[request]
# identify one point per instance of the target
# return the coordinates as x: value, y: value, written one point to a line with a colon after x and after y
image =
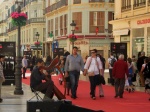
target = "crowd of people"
x: 122, y: 72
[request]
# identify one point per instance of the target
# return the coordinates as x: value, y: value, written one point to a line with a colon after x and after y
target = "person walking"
x: 111, y: 62
x: 93, y: 66
x: 140, y: 62
x: 2, y: 78
x: 74, y: 63
x: 120, y: 72
x: 24, y: 65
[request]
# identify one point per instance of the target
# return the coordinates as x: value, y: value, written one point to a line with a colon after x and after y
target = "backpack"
x: 113, y: 60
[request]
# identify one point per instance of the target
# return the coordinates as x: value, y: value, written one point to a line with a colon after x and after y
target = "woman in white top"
x: 93, y: 66
x: 146, y: 60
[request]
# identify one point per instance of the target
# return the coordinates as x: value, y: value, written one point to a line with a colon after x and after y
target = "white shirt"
x: 109, y: 61
x: 93, y: 65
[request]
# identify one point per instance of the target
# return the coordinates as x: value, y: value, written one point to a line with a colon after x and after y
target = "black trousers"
x: 24, y: 71
x: 111, y: 77
x: 46, y: 88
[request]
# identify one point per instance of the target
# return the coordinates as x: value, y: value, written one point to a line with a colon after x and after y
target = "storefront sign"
x: 80, y: 43
x: 144, y: 21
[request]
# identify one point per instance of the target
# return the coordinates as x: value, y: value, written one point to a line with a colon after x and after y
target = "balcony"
x: 77, y: 2
x: 35, y: 20
x: 126, y: 8
x: 56, y: 6
x: 139, y: 5
x: 12, y: 28
x: 111, y: 1
x: 91, y: 1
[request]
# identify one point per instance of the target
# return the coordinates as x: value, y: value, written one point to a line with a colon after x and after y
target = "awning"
x: 121, y: 32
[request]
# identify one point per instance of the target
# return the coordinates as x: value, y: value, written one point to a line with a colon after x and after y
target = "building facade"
x: 92, y: 28
x: 35, y: 23
x: 131, y: 25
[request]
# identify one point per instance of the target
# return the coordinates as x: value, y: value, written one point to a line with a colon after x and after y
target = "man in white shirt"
x: 111, y: 61
x: 24, y: 65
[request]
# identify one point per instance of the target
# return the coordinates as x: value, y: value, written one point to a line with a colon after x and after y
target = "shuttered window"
x: 77, y: 17
x: 97, y: 19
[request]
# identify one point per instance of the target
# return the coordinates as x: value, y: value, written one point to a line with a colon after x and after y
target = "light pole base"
x: 18, y: 92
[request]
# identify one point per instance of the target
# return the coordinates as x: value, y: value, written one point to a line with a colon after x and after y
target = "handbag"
x: 102, y: 80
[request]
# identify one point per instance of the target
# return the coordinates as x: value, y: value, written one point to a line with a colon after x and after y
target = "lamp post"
x: 18, y: 80
x: 37, y: 38
x: 73, y: 25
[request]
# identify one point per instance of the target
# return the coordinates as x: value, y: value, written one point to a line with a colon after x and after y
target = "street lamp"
x: 73, y: 25
x: 37, y: 38
x: 18, y: 80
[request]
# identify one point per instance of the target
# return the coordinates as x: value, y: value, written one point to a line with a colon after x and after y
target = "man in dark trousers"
x: 36, y: 81
x: 120, y: 73
x: 140, y: 62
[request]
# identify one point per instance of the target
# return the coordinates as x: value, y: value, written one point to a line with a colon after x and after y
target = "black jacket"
x: 140, y: 62
x: 36, y: 77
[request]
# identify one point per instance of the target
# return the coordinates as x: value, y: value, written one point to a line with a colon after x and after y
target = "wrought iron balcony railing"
x: 139, y: 5
x: 56, y: 6
x: 96, y: 1
x: 35, y: 20
x: 126, y: 8
x: 77, y: 2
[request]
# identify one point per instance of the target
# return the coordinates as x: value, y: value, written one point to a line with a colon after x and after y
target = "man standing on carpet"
x: 36, y: 81
x: 24, y: 65
x: 120, y: 69
x: 74, y: 63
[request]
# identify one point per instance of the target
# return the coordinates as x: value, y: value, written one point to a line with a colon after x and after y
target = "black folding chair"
x: 36, y: 94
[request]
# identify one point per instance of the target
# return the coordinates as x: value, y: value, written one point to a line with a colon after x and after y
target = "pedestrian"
x: 74, y: 63
x: 24, y: 66
x: 120, y: 73
x: 140, y: 62
x: 2, y: 78
x: 93, y: 67
x: 111, y: 61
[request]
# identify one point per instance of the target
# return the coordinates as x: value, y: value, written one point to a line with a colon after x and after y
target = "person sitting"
x: 36, y: 81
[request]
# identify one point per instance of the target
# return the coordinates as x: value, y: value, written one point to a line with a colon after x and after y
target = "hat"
x: 2, y: 56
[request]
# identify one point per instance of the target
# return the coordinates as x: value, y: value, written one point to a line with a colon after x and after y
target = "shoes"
x: 101, y: 95
x: 74, y: 97
x: 121, y: 96
x: 93, y: 98
x: 24, y: 78
x: 1, y: 100
x: 115, y: 96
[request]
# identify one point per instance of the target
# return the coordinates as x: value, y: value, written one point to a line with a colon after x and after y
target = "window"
x: 139, y: 3
x: 97, y: 19
x: 65, y: 23
x: 126, y: 5
x: 77, y: 17
x: 110, y: 17
x: 51, y: 25
x: 34, y: 32
x: 35, y: 13
x: 61, y: 25
x: 56, y: 26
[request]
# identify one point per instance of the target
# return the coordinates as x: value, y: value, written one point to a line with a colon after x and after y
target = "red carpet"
x: 132, y: 102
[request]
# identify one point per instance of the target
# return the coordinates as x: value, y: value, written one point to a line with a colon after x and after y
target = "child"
x: 130, y: 69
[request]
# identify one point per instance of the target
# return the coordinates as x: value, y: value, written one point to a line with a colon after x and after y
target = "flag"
x: 51, y: 35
